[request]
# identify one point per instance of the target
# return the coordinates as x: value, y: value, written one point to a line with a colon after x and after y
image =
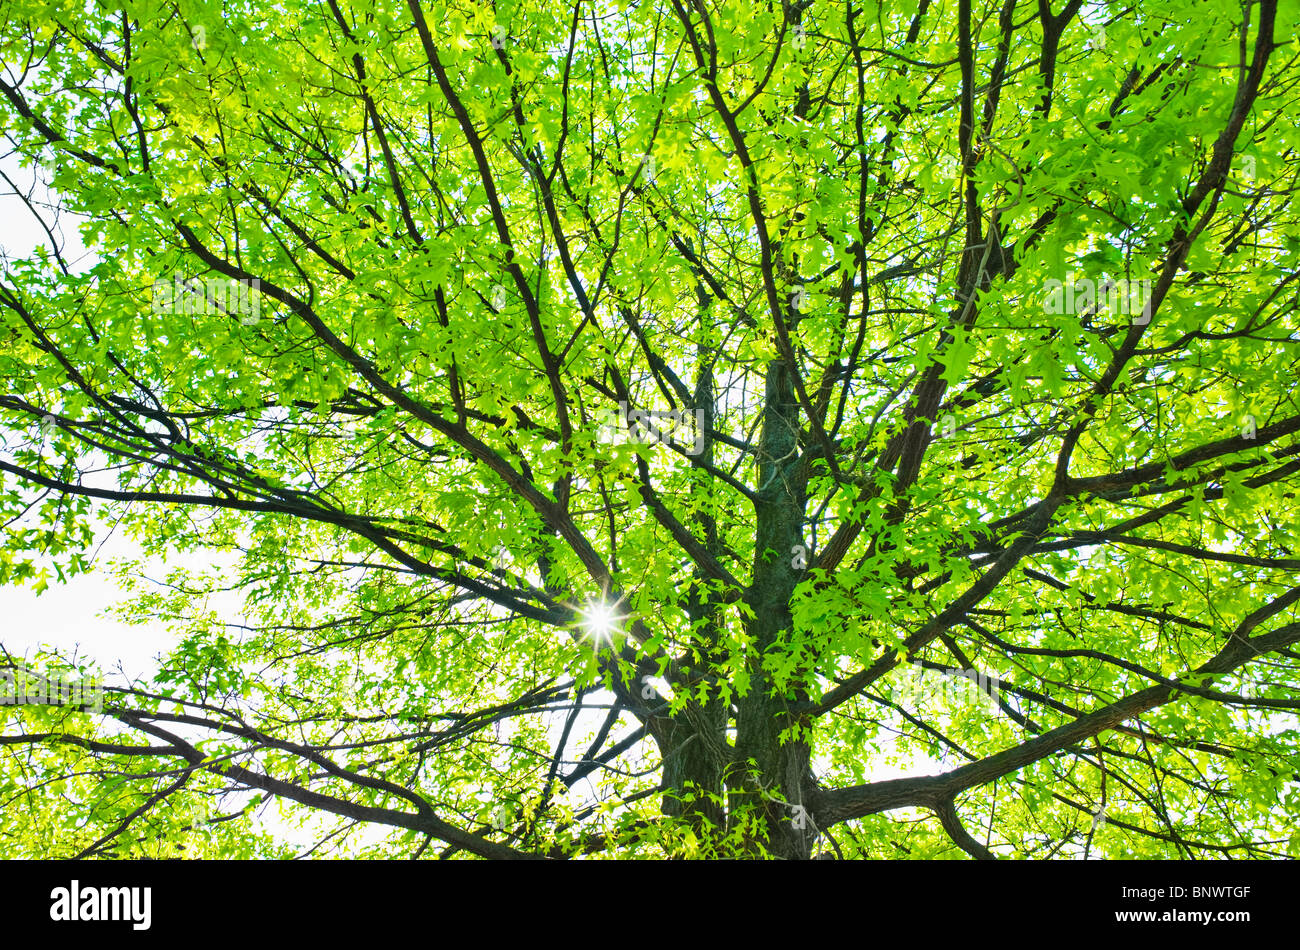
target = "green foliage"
x: 479, y: 230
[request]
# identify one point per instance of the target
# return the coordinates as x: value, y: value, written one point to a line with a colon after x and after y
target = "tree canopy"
x: 664, y: 429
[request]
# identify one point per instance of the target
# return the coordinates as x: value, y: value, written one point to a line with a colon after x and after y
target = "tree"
x: 697, y: 407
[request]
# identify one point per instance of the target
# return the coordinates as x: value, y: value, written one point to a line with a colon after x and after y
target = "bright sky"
x: 68, y: 616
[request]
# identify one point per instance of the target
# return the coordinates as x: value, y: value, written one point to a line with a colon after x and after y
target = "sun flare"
x: 601, y: 620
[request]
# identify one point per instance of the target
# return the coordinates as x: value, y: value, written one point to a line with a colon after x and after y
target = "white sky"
x: 68, y: 616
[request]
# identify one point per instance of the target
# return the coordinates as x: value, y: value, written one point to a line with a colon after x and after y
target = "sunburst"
x: 601, y: 620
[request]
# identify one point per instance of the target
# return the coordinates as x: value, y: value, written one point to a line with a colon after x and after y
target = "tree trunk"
x: 770, y: 774
x: 696, y: 754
